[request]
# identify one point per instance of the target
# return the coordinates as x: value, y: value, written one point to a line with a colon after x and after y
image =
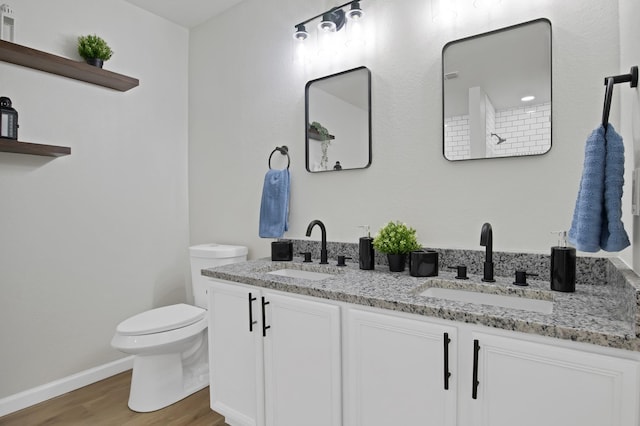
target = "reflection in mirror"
x: 497, y: 93
x: 338, y: 121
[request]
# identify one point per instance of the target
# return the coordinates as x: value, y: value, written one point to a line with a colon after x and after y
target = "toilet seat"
x: 160, y: 320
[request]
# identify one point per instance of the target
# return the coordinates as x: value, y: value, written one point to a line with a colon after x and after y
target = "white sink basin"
x: 306, y: 275
x: 512, y: 302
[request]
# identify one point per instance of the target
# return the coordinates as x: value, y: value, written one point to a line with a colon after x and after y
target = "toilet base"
x: 160, y: 380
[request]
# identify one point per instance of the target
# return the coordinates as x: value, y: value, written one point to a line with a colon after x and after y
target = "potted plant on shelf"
x: 325, y: 141
x: 94, y: 50
x: 396, y: 240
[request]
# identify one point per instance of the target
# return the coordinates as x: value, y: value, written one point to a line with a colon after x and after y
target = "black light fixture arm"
x: 631, y: 78
x: 328, y: 11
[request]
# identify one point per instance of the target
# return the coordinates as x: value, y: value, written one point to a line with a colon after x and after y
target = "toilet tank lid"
x: 161, y: 319
x: 217, y: 251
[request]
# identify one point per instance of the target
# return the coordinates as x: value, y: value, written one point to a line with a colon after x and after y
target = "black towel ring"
x: 631, y: 78
x: 282, y: 150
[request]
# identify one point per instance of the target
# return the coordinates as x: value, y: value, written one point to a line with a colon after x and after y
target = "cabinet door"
x: 302, y: 362
x: 235, y: 354
x: 532, y: 384
x: 397, y: 371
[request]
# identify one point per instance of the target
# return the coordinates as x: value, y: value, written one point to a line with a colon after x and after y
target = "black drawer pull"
x: 447, y: 374
x: 264, y: 318
x: 474, y: 389
x: 251, y: 321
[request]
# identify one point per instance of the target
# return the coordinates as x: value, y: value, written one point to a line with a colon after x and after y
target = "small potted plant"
x: 396, y: 240
x: 94, y: 50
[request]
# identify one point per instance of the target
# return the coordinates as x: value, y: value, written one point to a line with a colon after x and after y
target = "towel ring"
x: 284, y: 150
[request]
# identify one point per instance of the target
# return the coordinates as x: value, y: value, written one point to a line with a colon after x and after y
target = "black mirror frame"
x: 499, y: 30
x: 306, y: 117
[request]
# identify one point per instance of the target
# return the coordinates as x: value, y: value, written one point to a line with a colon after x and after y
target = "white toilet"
x: 170, y: 343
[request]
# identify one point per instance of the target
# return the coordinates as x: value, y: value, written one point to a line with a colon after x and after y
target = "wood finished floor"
x: 105, y: 404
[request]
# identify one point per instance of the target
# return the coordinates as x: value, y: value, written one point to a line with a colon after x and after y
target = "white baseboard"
x: 59, y: 387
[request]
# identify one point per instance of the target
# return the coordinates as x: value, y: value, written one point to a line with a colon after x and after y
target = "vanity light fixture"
x: 301, y: 33
x: 355, y: 13
x: 333, y: 20
x: 528, y: 98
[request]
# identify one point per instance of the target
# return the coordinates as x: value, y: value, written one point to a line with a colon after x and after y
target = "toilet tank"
x: 208, y: 256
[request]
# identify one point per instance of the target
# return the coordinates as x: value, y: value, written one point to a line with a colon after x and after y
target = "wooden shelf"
x: 313, y: 134
x: 36, y: 59
x: 17, y: 147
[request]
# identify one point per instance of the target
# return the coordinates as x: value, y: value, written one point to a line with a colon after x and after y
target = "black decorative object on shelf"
x: 8, y: 119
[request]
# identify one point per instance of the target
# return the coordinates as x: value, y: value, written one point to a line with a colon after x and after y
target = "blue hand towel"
x: 613, y: 236
x: 274, y: 208
x: 596, y: 220
x: 587, y: 215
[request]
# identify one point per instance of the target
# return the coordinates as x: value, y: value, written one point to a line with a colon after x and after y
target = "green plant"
x: 396, y: 238
x: 322, y: 131
x: 93, y: 47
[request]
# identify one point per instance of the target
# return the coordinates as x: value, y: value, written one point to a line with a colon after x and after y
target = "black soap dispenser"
x: 563, y: 265
x: 367, y: 254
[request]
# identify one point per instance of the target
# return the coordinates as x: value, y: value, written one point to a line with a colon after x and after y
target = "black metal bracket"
x: 284, y: 150
x: 631, y: 78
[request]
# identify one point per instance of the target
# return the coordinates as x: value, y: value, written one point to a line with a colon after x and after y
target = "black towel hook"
x: 631, y: 78
x: 284, y: 150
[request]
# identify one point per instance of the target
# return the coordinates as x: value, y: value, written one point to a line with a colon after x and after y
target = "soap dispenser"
x: 367, y: 254
x: 563, y: 265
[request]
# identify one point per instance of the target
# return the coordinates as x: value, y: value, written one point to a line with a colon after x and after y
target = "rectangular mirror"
x: 338, y: 121
x: 497, y: 93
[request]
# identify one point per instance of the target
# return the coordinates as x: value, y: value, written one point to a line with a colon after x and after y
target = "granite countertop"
x: 604, y: 314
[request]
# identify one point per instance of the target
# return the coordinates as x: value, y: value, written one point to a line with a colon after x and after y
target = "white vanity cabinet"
x: 398, y: 371
x: 525, y: 383
x: 275, y: 360
x: 395, y: 368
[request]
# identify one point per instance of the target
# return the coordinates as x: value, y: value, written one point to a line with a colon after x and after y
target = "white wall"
x: 629, y: 106
x: 92, y: 238
x: 247, y: 96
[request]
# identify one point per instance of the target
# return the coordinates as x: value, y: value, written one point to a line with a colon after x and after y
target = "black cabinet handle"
x: 447, y: 374
x: 474, y: 389
x: 264, y: 318
x: 251, y: 321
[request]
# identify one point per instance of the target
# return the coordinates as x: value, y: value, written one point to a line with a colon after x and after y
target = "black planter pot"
x: 95, y: 62
x: 397, y: 262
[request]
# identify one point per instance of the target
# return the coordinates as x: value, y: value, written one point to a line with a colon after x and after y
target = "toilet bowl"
x: 169, y: 343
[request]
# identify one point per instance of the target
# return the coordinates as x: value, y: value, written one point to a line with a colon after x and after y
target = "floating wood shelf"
x: 313, y: 134
x: 17, y: 147
x: 36, y: 59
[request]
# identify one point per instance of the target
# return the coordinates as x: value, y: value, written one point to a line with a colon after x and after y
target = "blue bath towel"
x: 597, y: 216
x: 274, y: 208
x: 613, y: 236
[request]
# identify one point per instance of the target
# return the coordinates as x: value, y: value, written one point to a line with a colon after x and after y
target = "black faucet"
x: 323, y: 250
x: 486, y: 239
